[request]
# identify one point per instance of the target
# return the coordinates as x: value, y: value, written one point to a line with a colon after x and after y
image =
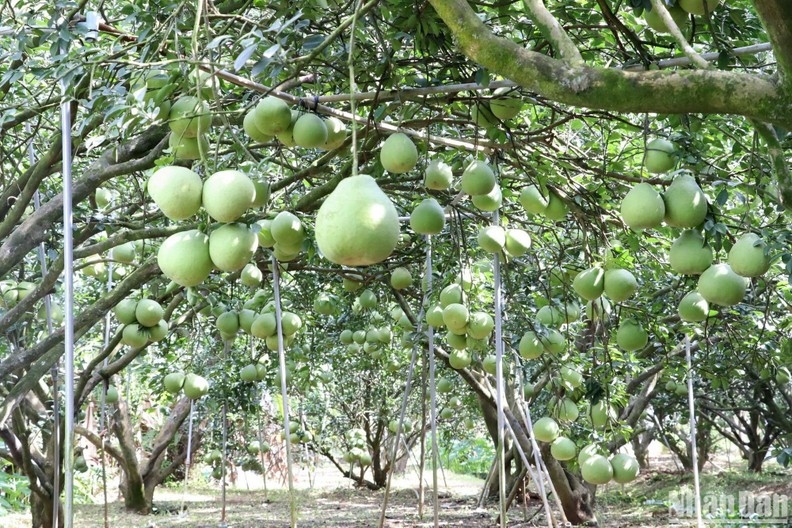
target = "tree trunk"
x: 640, y: 446
x: 577, y: 499
x: 756, y: 459
x: 41, y: 508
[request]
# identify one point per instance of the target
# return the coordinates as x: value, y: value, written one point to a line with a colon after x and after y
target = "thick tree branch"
x: 776, y: 16
x: 553, y: 31
x: 674, y: 92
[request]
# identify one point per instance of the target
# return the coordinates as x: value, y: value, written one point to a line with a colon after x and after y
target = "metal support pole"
x: 693, y: 448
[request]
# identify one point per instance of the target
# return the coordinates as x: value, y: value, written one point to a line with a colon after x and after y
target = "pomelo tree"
x: 581, y: 179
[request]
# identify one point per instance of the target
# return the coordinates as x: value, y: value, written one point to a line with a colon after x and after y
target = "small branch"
x: 553, y: 31
x: 695, y: 59
x: 776, y: 152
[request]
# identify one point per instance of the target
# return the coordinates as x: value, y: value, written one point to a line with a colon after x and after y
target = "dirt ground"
x: 324, y: 499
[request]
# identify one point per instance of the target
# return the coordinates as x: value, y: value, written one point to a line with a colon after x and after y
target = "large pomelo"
x: 689, y: 254
x: 477, y: 178
x: 251, y: 128
x: 503, y: 106
x: 227, y: 195
x: 176, y: 191
x: 336, y: 133
x: 287, y: 229
x: 685, y: 202
x: 480, y: 325
x: 625, y: 468
x: 631, y: 336
x: 173, y: 382
x: 545, y: 429
x: 518, y: 242
x: 748, y: 256
x: 148, y: 312
x: 438, y: 175
x: 556, y: 208
x: 357, y: 225
x: 272, y: 116
x: 567, y: 410
x: 698, y: 7
x: 562, y: 448
x: 189, y: 117
x: 309, y: 131
x: 455, y: 316
x: 398, y: 153
x: 590, y: 283
x: 459, y: 359
x: 481, y: 114
x: 184, y: 258
x: 262, y: 193
x: 400, y: 278
x: 125, y: 311
x: 489, y: 202
x: 453, y: 293
x: 643, y: 207
x: 428, y: 218
x: 123, y: 253
x: 720, y: 285
x: 188, y: 148
x: 231, y: 246
x: 533, y: 200
x: 619, y: 284
x: 134, y: 335
x: 492, y: 239
x: 693, y: 307
x: 596, y: 470
x: 195, y: 386
x: 659, y: 155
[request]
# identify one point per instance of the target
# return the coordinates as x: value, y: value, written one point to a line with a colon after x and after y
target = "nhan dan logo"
x: 743, y: 509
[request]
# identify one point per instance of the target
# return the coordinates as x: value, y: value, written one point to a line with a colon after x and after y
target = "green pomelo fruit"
x: 720, y: 285
x: 492, y: 239
x: 455, y: 316
x: 189, y: 117
x: 693, y: 307
x: 490, y: 364
x: 590, y: 283
x: 518, y: 242
x: 571, y: 377
x: 444, y: 386
x: 596, y: 470
x: 148, y: 312
x: 659, y: 155
x: 562, y: 448
x: 287, y: 229
x: 533, y: 200
x: 272, y: 116
x: 598, y: 414
x: 400, y: 278
x: 246, y: 318
x: 477, y: 178
x: 336, y: 133
x: 231, y: 246
x: 251, y: 275
x: 173, y: 382
x: 531, y: 346
x: 398, y: 154
x: 195, y: 386
x: 550, y: 316
x: 176, y: 191
x: 643, y: 207
x: 556, y: 208
x: 264, y: 325
x: 434, y: 316
x: 459, y: 359
x: 504, y: 107
x: 310, y: 131
x: 286, y: 253
x: 456, y: 341
x: 586, y: 453
x: 111, y: 397
x: 125, y: 311
x: 134, y: 335
x: 625, y: 468
x: 685, y: 203
x: 689, y: 254
x: 324, y: 304
x: 359, y: 336
x: 249, y: 373
x: 367, y: 299
x: 290, y: 323
x: 619, y: 284
x: 481, y: 114
x: 252, y: 130
x: 453, y: 293
x: 545, y: 429
x: 428, y: 218
x: 480, y: 325
x: 554, y: 342
x: 124, y: 253
x: 748, y: 256
x: 188, y: 148
x: 228, y: 322
x: 567, y: 410
x: 105, y: 197
x: 265, y: 233
x: 631, y: 336
x: 287, y: 136
x: 227, y: 195
x: 262, y: 193
x: 438, y: 175
x: 698, y: 7
x: 489, y: 202
x: 184, y: 258
x: 346, y: 337
x: 357, y: 225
